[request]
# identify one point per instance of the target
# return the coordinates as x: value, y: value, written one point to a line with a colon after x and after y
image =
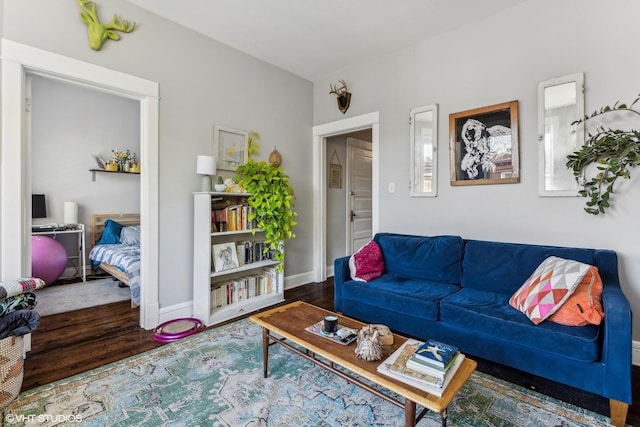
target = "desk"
x: 79, y: 261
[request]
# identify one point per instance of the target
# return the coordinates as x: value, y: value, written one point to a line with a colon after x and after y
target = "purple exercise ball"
x: 48, y: 258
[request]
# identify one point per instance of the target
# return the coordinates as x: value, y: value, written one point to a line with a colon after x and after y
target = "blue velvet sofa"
x: 457, y: 291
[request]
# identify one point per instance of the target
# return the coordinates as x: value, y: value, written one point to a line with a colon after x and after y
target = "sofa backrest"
x: 504, y: 267
x: 437, y: 258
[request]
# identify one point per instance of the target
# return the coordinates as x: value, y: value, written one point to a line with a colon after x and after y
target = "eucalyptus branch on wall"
x: 613, y: 152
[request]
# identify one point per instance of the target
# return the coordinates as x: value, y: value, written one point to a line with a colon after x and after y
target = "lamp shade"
x: 70, y: 213
x: 206, y: 165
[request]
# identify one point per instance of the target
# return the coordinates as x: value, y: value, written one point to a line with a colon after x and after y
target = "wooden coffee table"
x: 288, y: 323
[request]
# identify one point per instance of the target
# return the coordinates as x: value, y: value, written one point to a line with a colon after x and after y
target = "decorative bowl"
x: 220, y: 187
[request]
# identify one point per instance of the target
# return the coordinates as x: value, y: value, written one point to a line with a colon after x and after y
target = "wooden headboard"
x: 98, y: 220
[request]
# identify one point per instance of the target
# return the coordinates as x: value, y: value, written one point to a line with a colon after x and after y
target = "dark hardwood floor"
x: 69, y: 343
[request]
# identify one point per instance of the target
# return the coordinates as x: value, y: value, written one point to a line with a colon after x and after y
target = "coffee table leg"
x: 444, y: 417
x: 409, y: 413
x: 265, y: 351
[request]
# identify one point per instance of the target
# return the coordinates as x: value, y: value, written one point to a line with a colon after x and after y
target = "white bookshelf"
x: 206, y: 280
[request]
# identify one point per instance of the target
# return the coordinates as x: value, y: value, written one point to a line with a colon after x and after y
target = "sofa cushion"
x: 400, y: 294
x: 367, y: 263
x: 436, y: 258
x: 550, y: 285
x: 584, y: 306
x: 489, y: 313
x: 504, y: 267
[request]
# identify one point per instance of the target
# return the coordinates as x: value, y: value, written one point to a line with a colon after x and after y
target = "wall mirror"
x: 560, y: 102
x: 423, y: 129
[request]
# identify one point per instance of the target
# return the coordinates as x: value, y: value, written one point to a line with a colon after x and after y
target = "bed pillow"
x: 550, y: 285
x: 111, y: 233
x: 367, y: 263
x: 584, y: 306
x: 130, y: 235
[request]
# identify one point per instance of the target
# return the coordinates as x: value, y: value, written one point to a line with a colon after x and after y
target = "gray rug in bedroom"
x: 74, y: 296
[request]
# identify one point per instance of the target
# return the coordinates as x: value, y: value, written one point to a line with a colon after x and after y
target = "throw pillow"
x: 584, y: 306
x: 130, y: 235
x: 550, y: 285
x: 367, y: 263
x: 111, y: 233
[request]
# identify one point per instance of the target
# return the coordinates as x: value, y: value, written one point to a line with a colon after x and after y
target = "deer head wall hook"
x: 344, y: 97
x: 98, y: 32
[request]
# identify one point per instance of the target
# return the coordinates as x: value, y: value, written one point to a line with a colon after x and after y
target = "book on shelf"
x: 237, y: 290
x: 420, y: 365
x: 436, y: 353
x: 395, y: 366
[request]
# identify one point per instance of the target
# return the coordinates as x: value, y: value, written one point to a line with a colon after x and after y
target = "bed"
x: 115, y: 249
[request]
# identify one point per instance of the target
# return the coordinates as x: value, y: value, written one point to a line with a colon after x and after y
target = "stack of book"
x: 429, y: 366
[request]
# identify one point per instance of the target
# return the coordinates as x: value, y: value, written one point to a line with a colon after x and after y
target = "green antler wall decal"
x: 98, y: 32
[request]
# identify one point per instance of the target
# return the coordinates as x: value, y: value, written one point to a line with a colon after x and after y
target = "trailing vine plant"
x: 272, y: 200
x: 612, y: 151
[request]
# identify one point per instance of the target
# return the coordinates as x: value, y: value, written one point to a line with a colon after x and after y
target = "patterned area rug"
x: 215, y: 378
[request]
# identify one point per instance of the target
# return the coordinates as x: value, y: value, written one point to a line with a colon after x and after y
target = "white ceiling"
x: 312, y: 38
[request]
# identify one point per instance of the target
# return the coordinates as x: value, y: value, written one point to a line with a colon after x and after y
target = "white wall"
x: 336, y: 202
x: 70, y: 125
x: 202, y: 83
x: 500, y: 59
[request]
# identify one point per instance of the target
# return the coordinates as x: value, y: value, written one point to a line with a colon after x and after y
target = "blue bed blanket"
x: 124, y: 257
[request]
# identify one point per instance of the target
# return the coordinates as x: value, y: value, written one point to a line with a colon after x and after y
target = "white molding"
x: 53, y: 65
x: 320, y: 134
x: 635, y: 353
x: 296, y: 280
x: 20, y: 60
x: 176, y: 311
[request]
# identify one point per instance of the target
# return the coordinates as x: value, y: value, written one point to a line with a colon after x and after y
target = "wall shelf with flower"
x: 93, y: 173
x: 123, y: 161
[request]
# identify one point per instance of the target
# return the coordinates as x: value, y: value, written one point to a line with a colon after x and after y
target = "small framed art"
x: 230, y: 147
x: 225, y: 256
x: 483, y: 145
x: 335, y: 176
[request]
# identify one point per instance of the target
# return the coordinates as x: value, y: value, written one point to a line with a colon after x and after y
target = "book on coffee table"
x: 343, y: 335
x: 436, y: 353
x: 395, y: 366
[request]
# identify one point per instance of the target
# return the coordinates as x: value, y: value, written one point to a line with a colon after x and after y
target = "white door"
x: 359, y: 213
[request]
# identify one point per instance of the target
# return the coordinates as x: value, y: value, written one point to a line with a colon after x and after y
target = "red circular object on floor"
x: 176, y: 329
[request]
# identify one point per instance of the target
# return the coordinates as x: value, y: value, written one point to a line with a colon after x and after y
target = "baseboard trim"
x: 296, y: 280
x: 176, y: 311
x: 635, y: 353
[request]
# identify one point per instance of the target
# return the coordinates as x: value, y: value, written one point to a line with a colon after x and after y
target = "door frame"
x: 320, y: 134
x: 20, y: 60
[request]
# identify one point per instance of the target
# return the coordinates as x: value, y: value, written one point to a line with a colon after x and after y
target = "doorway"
x: 68, y: 126
x: 348, y: 213
x: 320, y: 165
x: 18, y: 62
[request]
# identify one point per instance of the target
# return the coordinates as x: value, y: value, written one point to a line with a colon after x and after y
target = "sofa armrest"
x: 616, y: 345
x: 341, y: 274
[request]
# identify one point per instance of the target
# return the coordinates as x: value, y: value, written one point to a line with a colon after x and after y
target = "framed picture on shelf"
x: 225, y: 256
x: 230, y: 147
x: 483, y: 145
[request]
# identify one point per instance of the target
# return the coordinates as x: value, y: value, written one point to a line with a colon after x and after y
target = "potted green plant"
x: 272, y: 200
x: 612, y: 151
x: 220, y: 185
